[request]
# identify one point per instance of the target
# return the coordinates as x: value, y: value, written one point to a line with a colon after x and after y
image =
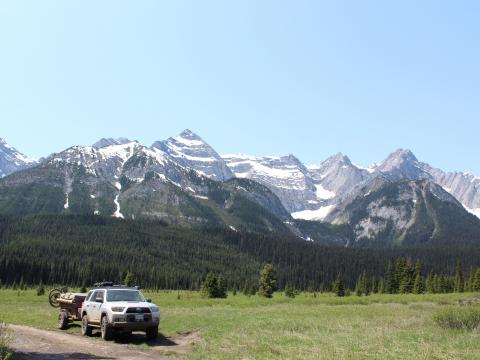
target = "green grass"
x: 307, y: 327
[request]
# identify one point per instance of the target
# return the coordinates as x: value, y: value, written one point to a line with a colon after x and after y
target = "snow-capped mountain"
x: 12, y: 160
x: 104, y: 142
x: 403, y: 212
x: 190, y: 150
x: 286, y: 176
x: 184, y: 180
x: 311, y: 192
x: 402, y: 164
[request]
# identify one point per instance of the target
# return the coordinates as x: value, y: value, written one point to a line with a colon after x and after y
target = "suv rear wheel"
x: 107, y: 331
x: 86, y: 329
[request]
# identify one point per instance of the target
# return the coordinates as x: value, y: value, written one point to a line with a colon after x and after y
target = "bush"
x: 456, y: 317
x: 41, y: 290
x: 289, y: 291
x: 4, y: 341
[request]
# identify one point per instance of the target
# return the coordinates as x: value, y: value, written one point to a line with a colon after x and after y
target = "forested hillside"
x: 80, y: 250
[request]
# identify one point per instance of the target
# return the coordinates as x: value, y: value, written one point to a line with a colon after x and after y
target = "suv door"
x: 95, y: 303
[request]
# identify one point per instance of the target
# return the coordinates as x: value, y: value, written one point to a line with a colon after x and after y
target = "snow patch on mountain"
x: 322, y: 193
x: 318, y: 214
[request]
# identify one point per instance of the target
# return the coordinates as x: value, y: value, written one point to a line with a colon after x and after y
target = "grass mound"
x: 458, y: 317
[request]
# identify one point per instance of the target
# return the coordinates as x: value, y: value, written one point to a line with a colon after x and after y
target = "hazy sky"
x: 263, y: 77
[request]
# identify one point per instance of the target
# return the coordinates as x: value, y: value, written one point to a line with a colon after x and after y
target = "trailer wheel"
x: 63, y: 320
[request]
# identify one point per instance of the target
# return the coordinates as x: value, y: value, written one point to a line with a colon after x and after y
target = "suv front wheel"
x: 86, y: 329
x: 107, y: 332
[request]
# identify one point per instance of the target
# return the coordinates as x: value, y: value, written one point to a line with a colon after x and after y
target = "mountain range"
x: 183, y: 180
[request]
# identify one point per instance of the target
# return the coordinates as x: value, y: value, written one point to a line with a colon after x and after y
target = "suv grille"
x: 139, y: 310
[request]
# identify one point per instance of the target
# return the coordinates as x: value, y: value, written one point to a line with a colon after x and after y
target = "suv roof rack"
x: 112, y: 284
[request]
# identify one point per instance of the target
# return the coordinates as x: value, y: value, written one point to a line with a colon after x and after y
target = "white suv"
x: 118, y: 308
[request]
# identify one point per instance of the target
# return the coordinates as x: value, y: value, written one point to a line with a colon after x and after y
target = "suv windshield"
x: 124, y: 295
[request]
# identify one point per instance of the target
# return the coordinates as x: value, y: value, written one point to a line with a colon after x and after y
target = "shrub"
x: 289, y: 291
x: 4, y: 341
x: 41, y: 290
x: 456, y: 317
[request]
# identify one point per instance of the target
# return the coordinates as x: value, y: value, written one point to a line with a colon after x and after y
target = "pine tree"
x: 459, y: 285
x: 209, y: 288
x: 129, y: 279
x: 381, y: 286
x: 359, y: 286
x: 391, y: 285
x: 268, y: 281
x: 419, y: 286
x: 374, y: 283
x: 430, y: 284
x: 476, y: 281
x: 405, y: 276
x: 362, y: 287
x: 338, y: 286
x: 469, y: 282
x: 221, y: 290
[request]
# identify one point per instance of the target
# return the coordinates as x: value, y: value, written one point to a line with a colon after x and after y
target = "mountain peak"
x: 190, y: 150
x: 402, y: 155
x: 104, y: 142
x: 189, y: 134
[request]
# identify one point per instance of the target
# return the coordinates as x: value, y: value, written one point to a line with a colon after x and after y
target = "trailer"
x: 69, y: 305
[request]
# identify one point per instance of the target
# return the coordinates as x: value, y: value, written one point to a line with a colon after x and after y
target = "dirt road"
x: 38, y: 344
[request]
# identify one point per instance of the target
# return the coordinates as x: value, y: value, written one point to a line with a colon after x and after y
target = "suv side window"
x: 89, y: 295
x: 99, y: 295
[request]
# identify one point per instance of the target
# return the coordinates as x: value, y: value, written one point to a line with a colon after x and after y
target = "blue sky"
x: 262, y: 77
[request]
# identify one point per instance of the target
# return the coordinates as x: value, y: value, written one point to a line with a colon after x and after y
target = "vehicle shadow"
x: 140, y: 339
x: 60, y: 356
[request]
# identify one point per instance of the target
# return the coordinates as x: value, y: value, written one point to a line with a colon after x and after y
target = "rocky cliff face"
x: 189, y: 150
x: 12, y: 160
x: 286, y: 176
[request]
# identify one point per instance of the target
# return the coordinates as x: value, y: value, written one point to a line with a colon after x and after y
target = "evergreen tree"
x: 221, y: 291
x: 210, y: 287
x: 362, y: 287
x: 469, y: 282
x: 374, y: 283
x: 430, y: 284
x: 268, y: 281
x: 129, y: 279
x: 338, y: 286
x: 405, y: 276
x: 391, y: 285
x: 459, y: 285
x: 476, y: 281
x: 381, y: 286
x: 419, y: 286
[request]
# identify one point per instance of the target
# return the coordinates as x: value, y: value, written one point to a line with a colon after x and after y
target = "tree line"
x: 80, y: 250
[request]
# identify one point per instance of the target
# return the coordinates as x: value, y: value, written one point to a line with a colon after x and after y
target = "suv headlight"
x: 154, y: 309
x: 118, y: 309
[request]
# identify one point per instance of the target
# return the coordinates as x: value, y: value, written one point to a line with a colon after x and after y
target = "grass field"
x: 307, y: 327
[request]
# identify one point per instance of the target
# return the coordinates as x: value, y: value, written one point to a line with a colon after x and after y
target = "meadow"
x: 310, y: 326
